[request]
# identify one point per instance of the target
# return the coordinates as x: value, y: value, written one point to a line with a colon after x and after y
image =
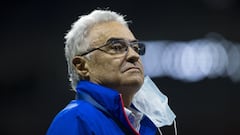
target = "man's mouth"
x: 133, y: 69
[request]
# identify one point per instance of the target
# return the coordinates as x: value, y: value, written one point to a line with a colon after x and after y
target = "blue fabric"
x: 80, y: 117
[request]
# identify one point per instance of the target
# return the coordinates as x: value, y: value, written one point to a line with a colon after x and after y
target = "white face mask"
x: 153, y: 103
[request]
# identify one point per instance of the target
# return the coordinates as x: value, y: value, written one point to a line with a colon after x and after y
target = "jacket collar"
x: 110, y: 99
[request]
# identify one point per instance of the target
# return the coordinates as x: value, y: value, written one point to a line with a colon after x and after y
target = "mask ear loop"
x: 174, y: 125
x: 159, y: 131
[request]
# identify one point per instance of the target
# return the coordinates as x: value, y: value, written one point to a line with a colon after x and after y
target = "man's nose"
x: 132, y: 55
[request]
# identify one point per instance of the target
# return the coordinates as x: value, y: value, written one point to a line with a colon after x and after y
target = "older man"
x: 106, y: 71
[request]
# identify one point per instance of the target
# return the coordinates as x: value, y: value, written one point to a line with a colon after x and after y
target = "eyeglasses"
x: 119, y: 46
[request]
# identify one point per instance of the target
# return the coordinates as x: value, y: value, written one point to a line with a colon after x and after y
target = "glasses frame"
x: 141, y: 45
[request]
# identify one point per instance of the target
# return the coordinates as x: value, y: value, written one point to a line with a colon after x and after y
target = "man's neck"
x: 127, y: 100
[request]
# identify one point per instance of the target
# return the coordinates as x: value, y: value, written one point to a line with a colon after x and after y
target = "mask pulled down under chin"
x: 153, y: 103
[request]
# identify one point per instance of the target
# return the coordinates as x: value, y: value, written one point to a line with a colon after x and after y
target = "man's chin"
x: 134, y: 82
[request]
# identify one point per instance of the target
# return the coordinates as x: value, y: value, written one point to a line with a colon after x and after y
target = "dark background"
x: 33, y: 73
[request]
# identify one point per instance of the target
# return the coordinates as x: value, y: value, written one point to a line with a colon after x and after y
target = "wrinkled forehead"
x: 100, y: 33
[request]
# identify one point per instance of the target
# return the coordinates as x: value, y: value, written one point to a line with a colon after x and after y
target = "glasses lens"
x: 141, y: 49
x: 117, y: 46
x: 138, y: 47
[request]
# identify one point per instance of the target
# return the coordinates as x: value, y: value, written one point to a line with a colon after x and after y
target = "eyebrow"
x: 115, y: 38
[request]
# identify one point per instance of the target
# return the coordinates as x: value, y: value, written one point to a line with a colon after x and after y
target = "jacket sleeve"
x: 68, y: 124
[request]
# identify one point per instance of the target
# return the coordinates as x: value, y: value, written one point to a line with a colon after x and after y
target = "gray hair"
x: 76, y: 42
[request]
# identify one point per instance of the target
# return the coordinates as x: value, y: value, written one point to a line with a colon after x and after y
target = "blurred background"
x: 192, y: 55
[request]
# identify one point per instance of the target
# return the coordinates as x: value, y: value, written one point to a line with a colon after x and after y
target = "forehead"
x: 100, y: 33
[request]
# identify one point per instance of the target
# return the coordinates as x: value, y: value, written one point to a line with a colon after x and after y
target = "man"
x: 106, y: 71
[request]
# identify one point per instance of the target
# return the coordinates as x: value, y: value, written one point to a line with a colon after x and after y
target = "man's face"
x: 123, y: 72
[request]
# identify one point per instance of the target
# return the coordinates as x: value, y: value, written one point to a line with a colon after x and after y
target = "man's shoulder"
x: 79, y: 111
x: 74, y: 118
x: 78, y: 108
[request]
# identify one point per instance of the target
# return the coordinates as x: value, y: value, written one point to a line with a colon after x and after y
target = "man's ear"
x: 80, y: 64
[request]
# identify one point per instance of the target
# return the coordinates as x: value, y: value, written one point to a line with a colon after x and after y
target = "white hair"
x: 76, y: 42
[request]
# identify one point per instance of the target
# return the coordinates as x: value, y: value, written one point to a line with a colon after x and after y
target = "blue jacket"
x: 80, y: 117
